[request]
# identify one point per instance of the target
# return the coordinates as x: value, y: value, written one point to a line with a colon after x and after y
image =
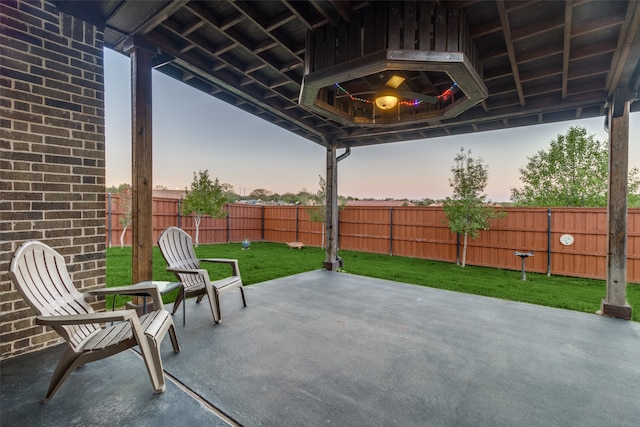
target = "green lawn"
x: 266, y: 261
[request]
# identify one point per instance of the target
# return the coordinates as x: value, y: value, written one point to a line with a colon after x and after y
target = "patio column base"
x: 331, y: 265
x: 614, y: 310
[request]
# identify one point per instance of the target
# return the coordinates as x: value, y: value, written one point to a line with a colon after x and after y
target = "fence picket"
x: 418, y: 232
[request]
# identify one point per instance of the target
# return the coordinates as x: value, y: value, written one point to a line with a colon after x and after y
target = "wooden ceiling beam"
x: 186, y: 47
x: 295, y: 8
x: 248, y: 93
x: 598, y: 69
x: 568, y: 13
x: 342, y: 9
x: 628, y: 46
x: 485, y: 29
x: 252, y: 68
x: 192, y: 26
x: 541, y: 74
x: 506, y: 28
x: 540, y: 27
x: 247, y: 10
x: 236, y: 39
x: 230, y: 21
x: 515, y: 5
x: 331, y: 18
x: 279, y: 21
x: 158, y: 18
x: 595, y: 25
x: 265, y: 45
x: 538, y: 54
x: 496, y: 73
x: 592, y: 50
x: 576, y: 89
x: 218, y: 51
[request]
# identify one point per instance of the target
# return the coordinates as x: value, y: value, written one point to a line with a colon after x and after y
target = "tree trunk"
x: 198, y: 218
x: 464, y: 251
x: 124, y: 230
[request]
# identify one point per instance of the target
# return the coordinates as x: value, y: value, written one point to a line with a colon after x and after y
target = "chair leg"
x: 148, y: 346
x: 67, y: 364
x: 177, y: 302
x: 174, y: 339
x: 214, y: 303
x: 244, y: 300
x: 154, y: 365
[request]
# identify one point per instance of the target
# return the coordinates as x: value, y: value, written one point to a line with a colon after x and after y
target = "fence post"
x: 179, y: 213
x: 109, y: 217
x: 228, y: 223
x: 262, y: 231
x: 391, y: 231
x: 338, y: 234
x: 548, y: 241
x: 297, y: 216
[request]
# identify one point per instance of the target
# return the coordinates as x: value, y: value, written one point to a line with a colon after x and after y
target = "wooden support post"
x: 615, y: 303
x: 141, y: 156
x: 331, y: 216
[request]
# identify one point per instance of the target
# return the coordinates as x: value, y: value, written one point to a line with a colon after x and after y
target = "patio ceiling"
x: 539, y: 61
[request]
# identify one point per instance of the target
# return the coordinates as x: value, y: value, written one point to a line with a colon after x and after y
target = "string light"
x: 411, y: 103
x: 448, y: 93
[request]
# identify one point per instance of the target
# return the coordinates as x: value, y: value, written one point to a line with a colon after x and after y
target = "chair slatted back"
x: 176, y: 247
x: 41, y: 276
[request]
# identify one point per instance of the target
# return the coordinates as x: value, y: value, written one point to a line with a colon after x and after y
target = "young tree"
x: 317, y: 212
x: 572, y: 172
x: 204, y: 198
x: 124, y: 191
x: 467, y: 211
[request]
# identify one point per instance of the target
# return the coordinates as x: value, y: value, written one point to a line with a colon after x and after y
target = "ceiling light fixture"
x: 386, y: 99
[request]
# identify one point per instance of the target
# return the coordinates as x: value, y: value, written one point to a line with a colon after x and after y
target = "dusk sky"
x: 193, y: 131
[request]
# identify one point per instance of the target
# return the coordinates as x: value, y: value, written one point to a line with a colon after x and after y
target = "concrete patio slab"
x: 326, y: 348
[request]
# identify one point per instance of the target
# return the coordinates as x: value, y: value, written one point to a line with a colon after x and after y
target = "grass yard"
x: 266, y: 261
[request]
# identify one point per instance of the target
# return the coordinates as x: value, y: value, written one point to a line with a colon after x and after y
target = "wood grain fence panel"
x: 245, y: 222
x: 422, y: 233
x: 211, y: 230
x: 419, y: 232
x: 280, y: 223
x: 633, y: 245
x: 165, y: 214
x: 522, y: 230
x: 586, y: 257
x: 366, y: 228
x: 310, y: 232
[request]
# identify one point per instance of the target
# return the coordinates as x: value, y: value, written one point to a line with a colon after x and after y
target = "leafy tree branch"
x: 468, y: 211
x: 204, y: 198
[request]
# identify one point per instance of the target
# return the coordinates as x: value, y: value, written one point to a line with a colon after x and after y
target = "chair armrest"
x: 187, y: 270
x: 83, y: 319
x: 232, y: 262
x: 132, y: 290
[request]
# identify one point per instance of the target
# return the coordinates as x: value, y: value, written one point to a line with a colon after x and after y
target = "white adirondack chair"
x: 176, y: 247
x: 40, y: 275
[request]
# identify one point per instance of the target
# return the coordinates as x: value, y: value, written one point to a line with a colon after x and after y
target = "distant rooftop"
x: 379, y: 203
x: 169, y: 194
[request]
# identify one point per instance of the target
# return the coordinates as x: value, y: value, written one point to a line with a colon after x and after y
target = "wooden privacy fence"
x: 418, y: 232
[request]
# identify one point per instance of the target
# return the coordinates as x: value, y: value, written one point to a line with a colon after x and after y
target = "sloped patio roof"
x: 540, y: 62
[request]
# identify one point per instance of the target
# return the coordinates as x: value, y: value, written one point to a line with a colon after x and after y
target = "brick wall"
x: 52, y: 164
